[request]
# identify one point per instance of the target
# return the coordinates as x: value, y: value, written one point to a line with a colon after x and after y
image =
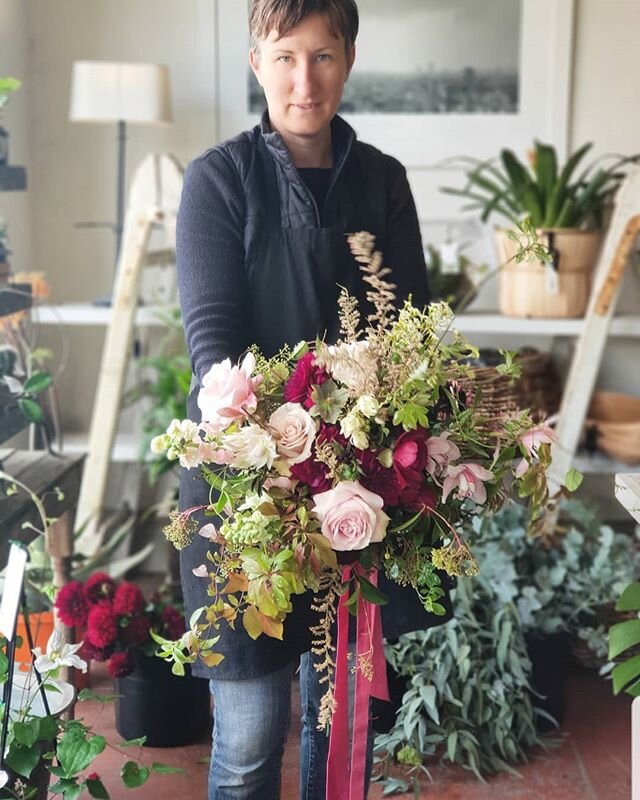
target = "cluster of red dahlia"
x: 114, y: 618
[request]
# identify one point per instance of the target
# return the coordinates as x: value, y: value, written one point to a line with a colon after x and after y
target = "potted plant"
x: 566, y: 207
x: 118, y: 623
x: 40, y: 744
x: 7, y: 87
x: 451, y: 275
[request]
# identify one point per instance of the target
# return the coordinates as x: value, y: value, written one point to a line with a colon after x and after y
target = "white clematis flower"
x: 58, y: 654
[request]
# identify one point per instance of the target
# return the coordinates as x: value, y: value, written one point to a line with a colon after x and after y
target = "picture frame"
x: 426, y: 140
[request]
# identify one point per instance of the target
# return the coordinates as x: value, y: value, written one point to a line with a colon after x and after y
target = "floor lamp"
x: 107, y: 91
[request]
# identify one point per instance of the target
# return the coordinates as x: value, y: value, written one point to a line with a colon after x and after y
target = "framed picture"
x: 433, y: 78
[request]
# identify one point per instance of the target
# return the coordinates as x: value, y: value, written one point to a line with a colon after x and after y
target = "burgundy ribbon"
x: 347, y: 781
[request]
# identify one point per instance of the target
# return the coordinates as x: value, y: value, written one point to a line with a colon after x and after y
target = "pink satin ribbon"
x: 347, y: 781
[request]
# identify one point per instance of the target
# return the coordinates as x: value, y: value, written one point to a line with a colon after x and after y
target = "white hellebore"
x: 59, y: 654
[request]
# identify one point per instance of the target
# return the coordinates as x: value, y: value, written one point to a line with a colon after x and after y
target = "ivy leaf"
x: 68, y: 788
x: 133, y: 775
x: 23, y: 759
x: 26, y: 733
x: 134, y: 742
x: 76, y: 752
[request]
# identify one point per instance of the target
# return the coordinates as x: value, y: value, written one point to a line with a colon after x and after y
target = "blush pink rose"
x: 468, y: 479
x: 294, y: 430
x: 228, y: 393
x: 351, y: 516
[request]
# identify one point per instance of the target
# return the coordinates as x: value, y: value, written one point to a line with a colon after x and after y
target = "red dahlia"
x: 99, y: 586
x: 128, y: 599
x: 102, y: 626
x: 120, y: 665
x: 71, y: 604
x: 137, y: 631
x: 90, y: 652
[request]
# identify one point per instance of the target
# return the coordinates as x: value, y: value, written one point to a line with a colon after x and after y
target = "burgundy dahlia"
x: 313, y: 474
x: 410, y: 458
x: 137, y: 631
x: 378, y: 479
x: 99, y: 587
x: 71, y: 604
x: 90, y: 652
x: 173, y: 622
x: 128, y: 599
x: 305, y: 376
x: 120, y: 665
x: 102, y: 625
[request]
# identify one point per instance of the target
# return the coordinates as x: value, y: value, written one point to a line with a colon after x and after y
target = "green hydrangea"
x: 251, y: 529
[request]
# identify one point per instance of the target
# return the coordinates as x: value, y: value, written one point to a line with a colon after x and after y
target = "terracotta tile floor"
x: 591, y: 763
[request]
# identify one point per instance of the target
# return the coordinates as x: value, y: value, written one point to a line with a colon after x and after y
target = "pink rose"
x: 294, y: 430
x: 228, y: 393
x: 468, y: 479
x: 351, y: 516
x: 440, y: 453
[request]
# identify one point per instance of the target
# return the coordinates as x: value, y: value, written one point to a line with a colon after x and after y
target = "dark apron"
x: 294, y: 274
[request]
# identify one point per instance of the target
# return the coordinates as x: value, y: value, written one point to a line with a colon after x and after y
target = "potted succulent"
x: 118, y: 624
x: 565, y: 206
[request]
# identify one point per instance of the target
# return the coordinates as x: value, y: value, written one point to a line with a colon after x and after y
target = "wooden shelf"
x: 493, y: 322
x: 126, y: 449
x: 88, y: 314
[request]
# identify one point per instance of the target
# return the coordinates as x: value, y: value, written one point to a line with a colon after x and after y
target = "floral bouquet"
x: 336, y: 462
x: 115, y: 619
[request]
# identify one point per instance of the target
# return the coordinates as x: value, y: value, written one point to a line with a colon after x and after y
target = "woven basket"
x: 537, y: 389
x: 613, y: 425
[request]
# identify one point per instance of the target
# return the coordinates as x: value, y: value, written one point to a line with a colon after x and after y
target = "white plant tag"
x: 450, y: 258
x: 551, y: 279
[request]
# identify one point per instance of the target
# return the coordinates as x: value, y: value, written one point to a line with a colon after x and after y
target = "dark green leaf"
x: 76, y: 751
x: 371, y: 592
x: 26, y: 733
x: 133, y: 774
x: 622, y: 636
x: 96, y: 788
x: 625, y: 674
x: 87, y: 694
x: 630, y: 598
x: 23, y: 759
x: 134, y: 742
x: 31, y: 411
x: 37, y: 383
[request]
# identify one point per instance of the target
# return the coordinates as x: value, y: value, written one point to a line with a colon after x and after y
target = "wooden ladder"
x: 153, y: 203
x: 590, y: 345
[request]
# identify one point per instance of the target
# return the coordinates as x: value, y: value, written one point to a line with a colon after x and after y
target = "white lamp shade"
x: 107, y: 91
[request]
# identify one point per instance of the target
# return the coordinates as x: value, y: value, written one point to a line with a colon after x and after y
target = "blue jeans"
x: 250, y: 725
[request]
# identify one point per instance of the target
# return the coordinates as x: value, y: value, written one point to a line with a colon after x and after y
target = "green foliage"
x: 468, y: 695
x: 7, y: 87
x: 548, y: 196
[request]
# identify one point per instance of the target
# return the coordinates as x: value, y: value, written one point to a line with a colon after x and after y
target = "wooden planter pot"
x: 533, y: 289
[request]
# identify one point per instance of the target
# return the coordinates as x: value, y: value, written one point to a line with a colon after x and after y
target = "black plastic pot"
x: 169, y: 710
x: 550, y: 655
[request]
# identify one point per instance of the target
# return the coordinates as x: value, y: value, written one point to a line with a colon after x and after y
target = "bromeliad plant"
x: 548, y: 195
x: 369, y: 446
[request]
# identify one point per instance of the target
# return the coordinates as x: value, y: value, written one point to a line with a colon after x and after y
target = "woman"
x: 261, y: 252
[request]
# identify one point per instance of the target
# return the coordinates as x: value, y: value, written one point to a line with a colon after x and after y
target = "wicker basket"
x: 524, y: 288
x: 537, y: 389
x: 613, y: 425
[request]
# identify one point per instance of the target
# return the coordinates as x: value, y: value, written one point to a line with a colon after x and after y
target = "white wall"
x: 15, y: 207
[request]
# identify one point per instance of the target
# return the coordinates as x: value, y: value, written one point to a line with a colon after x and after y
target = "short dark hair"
x: 283, y: 15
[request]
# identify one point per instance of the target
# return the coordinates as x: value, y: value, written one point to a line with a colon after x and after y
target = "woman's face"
x: 302, y: 75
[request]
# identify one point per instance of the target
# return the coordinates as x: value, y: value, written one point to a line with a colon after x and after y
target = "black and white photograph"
x: 456, y: 57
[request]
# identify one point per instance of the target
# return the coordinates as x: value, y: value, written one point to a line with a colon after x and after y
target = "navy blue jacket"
x: 259, y: 262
